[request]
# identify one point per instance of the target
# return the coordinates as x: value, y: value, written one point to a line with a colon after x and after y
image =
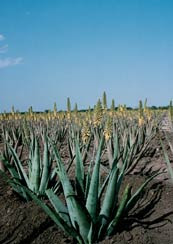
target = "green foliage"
x: 94, y: 203
x: 38, y: 177
x: 93, y: 210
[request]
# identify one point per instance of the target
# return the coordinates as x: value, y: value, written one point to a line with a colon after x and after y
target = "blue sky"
x: 51, y: 50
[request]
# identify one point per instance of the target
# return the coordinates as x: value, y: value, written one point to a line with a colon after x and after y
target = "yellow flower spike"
x: 141, y: 121
x: 85, y: 132
x: 108, y: 129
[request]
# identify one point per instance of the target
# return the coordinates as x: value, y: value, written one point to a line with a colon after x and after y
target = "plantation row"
x: 78, y: 161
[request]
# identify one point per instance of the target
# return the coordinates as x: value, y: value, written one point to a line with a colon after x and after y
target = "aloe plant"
x: 93, y: 212
x: 131, y: 141
x: 167, y: 160
x: 38, y: 174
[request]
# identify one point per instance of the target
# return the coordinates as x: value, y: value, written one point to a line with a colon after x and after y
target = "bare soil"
x: 151, y: 222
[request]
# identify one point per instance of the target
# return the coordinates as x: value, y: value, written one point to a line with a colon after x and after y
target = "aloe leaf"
x: 109, y: 199
x: 68, y: 190
x: 11, y: 168
x: 88, y: 180
x: 46, y: 165
x: 70, y: 149
x: 90, y: 235
x: 125, y: 146
x: 130, y: 156
x: 35, y: 171
x: 54, y: 172
x: 116, y: 146
x: 55, y: 217
x: 15, y: 184
x: 19, y: 165
x: 32, y: 146
x: 114, y: 166
x: 92, y: 198
x: 122, y: 173
x: 135, y: 197
x: 102, y: 188
x: 58, y: 206
x: 121, y: 209
x: 109, y: 202
x: 79, y: 215
x: 79, y: 169
x: 84, y: 221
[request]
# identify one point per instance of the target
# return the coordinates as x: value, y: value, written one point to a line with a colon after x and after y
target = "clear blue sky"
x: 51, y: 50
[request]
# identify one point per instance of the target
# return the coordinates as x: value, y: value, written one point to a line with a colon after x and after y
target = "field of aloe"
x: 98, y: 176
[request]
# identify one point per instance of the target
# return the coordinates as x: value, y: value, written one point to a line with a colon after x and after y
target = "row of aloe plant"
x: 168, y: 141
x: 60, y: 129
x: 93, y: 206
x: 132, y: 139
x: 167, y: 158
x: 93, y: 209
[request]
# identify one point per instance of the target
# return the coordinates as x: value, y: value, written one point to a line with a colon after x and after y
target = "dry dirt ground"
x: 151, y: 222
